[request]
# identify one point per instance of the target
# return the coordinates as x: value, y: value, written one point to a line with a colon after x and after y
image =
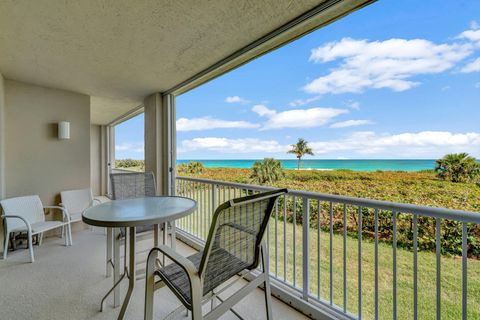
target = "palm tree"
x: 457, y: 167
x: 300, y: 149
x: 267, y: 170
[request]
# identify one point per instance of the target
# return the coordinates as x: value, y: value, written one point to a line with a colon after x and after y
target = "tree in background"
x: 192, y: 167
x: 300, y: 149
x: 457, y: 167
x: 267, y: 170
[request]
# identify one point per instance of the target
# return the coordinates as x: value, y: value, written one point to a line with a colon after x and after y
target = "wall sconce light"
x: 64, y: 130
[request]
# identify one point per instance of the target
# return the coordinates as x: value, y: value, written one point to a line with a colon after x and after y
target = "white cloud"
x: 135, y: 147
x: 424, y: 144
x: 354, y: 104
x: 403, y: 145
x: 470, y: 35
x: 208, y: 123
x: 473, y: 66
x: 298, y: 118
x: 383, y: 64
x: 302, y: 102
x: 474, y: 25
x: 350, y: 123
x: 262, y: 110
x: 235, y: 99
x: 225, y: 145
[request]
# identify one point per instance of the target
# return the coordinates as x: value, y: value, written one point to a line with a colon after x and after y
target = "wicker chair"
x: 233, y: 247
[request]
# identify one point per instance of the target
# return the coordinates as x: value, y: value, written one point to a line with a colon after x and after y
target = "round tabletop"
x: 138, y: 211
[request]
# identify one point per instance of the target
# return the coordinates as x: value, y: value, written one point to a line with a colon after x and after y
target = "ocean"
x: 314, y: 164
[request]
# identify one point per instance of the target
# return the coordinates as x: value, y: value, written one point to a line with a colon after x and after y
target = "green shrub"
x: 420, y: 188
x: 192, y: 167
x: 457, y: 167
x: 267, y: 170
x: 129, y: 163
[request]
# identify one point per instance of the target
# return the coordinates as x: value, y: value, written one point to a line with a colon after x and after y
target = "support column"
x: 2, y: 150
x: 108, y: 156
x: 160, y: 145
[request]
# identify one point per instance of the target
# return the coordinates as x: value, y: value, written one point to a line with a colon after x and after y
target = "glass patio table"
x: 132, y: 213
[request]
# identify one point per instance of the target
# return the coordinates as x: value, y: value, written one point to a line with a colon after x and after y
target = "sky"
x: 397, y: 79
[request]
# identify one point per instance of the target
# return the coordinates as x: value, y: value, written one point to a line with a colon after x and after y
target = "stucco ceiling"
x: 121, y: 51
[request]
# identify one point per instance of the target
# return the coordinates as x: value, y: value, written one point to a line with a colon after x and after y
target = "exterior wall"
x: 37, y: 162
x: 96, y: 159
x: 2, y: 137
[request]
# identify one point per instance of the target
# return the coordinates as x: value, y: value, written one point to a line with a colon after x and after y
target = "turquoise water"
x: 356, y: 165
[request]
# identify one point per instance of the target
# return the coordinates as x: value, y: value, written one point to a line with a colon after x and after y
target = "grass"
x: 450, y: 280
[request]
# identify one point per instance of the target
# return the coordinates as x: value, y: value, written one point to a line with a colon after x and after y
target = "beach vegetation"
x: 132, y: 164
x: 458, y: 167
x: 192, y: 167
x: 267, y: 171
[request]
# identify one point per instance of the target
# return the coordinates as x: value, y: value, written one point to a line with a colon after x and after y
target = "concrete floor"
x: 69, y: 283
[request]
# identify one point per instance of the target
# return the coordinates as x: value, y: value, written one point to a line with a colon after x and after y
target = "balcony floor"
x: 69, y: 282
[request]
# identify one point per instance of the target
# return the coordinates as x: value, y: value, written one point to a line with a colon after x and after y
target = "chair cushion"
x: 40, y: 226
x: 176, y: 278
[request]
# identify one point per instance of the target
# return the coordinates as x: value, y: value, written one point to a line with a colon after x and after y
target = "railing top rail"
x: 443, y: 213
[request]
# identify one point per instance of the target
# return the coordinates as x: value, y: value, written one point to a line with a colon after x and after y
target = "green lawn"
x: 450, y: 268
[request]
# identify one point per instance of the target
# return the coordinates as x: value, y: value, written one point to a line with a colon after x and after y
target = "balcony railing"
x: 355, y: 258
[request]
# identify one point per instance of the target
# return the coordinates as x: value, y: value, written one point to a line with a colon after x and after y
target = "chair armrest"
x: 178, y: 259
x: 63, y: 209
x: 21, y: 218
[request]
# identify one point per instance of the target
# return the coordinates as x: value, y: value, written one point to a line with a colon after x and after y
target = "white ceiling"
x: 121, y: 51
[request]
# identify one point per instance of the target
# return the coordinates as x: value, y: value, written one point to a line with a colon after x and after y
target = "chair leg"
x: 40, y: 239
x: 63, y: 231
x: 6, y: 237
x: 69, y: 229
x: 173, y: 231
x: 197, y: 312
x: 30, y: 246
x: 150, y: 285
x: 267, y: 291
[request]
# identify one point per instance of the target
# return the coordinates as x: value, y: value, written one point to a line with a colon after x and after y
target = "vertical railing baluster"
x: 319, y: 267
x: 276, y: 238
x: 294, y: 241
x: 415, y: 267
x: 344, y: 258
x: 394, y: 217
x: 438, y: 261
x: 235, y: 234
x: 190, y: 216
x: 284, y: 237
x: 331, y: 252
x: 464, y: 269
x: 359, y: 262
x: 376, y: 263
x: 306, y: 247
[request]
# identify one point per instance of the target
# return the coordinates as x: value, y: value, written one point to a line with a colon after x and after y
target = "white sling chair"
x: 234, y: 247
x: 27, y: 214
x: 76, y: 202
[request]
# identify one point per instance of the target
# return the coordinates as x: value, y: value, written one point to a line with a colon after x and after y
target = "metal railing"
x: 348, y: 260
